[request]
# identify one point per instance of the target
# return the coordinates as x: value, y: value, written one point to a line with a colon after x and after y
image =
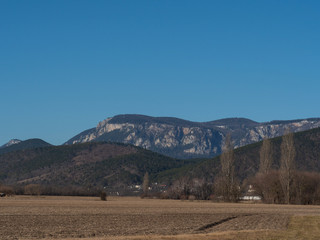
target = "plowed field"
x: 125, y: 217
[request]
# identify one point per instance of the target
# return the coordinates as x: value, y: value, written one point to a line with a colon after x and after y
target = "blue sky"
x: 66, y: 65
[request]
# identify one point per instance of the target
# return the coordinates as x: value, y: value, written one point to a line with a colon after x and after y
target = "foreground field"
x: 135, y: 218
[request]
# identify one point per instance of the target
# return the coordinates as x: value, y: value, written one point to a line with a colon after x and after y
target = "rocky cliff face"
x: 276, y: 129
x: 11, y: 142
x: 184, y: 139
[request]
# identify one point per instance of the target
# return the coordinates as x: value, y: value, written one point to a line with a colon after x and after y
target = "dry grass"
x: 134, y: 218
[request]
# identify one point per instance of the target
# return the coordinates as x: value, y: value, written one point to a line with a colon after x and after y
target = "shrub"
x: 7, y: 190
x: 103, y: 196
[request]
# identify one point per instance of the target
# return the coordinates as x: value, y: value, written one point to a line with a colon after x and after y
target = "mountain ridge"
x: 181, y: 138
x: 15, y: 144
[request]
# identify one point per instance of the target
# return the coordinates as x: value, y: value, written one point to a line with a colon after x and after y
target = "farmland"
x: 26, y: 217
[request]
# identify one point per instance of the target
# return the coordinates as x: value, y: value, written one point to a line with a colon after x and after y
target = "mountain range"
x: 184, y: 139
x: 117, y: 165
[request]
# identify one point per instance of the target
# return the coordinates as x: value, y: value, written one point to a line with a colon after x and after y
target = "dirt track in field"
x: 80, y: 217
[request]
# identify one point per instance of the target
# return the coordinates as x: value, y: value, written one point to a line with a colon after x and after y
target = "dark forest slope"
x: 89, y: 164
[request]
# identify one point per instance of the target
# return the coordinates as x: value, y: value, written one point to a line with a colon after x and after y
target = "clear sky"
x: 65, y: 65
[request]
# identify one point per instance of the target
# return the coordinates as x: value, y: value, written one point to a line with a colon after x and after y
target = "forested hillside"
x: 306, y: 143
x: 88, y: 165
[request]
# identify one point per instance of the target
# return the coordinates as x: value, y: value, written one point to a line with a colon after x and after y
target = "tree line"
x: 38, y: 189
x: 283, y: 185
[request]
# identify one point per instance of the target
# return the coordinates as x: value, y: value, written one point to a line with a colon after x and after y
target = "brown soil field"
x: 24, y: 217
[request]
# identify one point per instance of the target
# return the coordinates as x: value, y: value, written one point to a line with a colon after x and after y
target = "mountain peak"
x: 11, y: 142
x: 15, y: 144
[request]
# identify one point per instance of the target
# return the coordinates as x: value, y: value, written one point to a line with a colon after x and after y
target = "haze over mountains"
x: 185, y: 139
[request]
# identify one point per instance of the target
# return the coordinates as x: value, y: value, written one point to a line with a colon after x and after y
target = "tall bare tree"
x: 265, y: 156
x: 227, y: 179
x: 145, y: 184
x: 287, y: 164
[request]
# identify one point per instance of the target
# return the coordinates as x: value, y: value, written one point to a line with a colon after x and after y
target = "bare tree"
x: 145, y: 184
x: 181, y: 188
x: 268, y: 186
x: 287, y: 164
x: 265, y: 156
x: 32, y: 189
x: 227, y: 182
